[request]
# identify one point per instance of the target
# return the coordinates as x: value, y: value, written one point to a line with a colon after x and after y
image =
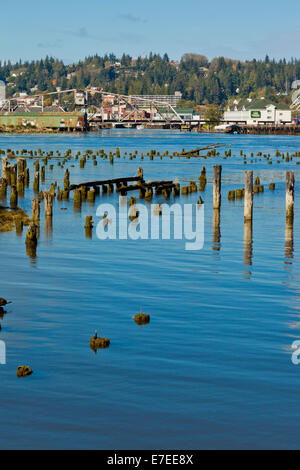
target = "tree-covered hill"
x: 200, y: 81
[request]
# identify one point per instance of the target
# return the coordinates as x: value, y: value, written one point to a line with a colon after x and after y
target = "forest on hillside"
x: 201, y: 81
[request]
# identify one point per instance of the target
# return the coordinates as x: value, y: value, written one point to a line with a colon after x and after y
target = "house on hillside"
x: 259, y: 111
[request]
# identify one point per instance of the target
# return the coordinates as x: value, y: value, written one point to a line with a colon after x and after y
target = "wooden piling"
x: 176, y: 189
x: 20, y: 184
x: 77, y: 197
x: 4, y: 165
x: 13, y: 197
x: 248, y: 201
x: 140, y: 172
x: 67, y: 180
x: 290, y: 194
x: 31, y: 241
x: 48, y: 204
x: 21, y: 165
x: 89, y: 226
x: 36, y: 182
x: 13, y: 174
x: 35, y: 204
x: 91, y: 196
x: 26, y: 177
x: 43, y: 173
x: 7, y: 174
x: 3, y: 188
x: 217, y: 171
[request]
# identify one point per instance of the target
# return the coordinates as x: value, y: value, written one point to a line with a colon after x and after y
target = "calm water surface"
x: 213, y: 368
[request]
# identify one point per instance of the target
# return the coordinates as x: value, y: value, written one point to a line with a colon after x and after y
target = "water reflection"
x: 216, y: 230
x: 48, y: 227
x: 77, y: 207
x: 31, y: 251
x: 19, y: 227
x: 289, y: 239
x: 248, y: 243
x: 89, y: 232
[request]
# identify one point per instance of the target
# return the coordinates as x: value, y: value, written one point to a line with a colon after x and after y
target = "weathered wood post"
x: 67, y: 180
x: 31, y: 235
x: 248, y: 201
x: 48, y: 204
x: 35, y: 204
x: 7, y: 174
x: 36, y: 182
x: 176, y: 189
x: 43, y: 173
x: 290, y: 194
x: 21, y: 165
x: 31, y: 241
x: 202, y: 179
x: 217, y: 172
x: 26, y: 177
x: 140, y: 172
x: 77, y: 197
x: 20, y: 184
x: 3, y: 188
x: 13, y: 197
x: 4, y: 165
x: 89, y: 222
x: 13, y: 174
x: 89, y: 226
x: 91, y: 196
x: 149, y: 194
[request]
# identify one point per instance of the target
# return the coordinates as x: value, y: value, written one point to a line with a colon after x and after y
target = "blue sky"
x: 71, y: 30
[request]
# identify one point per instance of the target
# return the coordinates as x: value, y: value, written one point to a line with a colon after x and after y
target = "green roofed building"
x: 43, y: 120
x: 259, y: 111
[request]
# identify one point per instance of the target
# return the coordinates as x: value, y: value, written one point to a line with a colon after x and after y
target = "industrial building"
x: 259, y: 111
x: 145, y: 100
x: 43, y: 120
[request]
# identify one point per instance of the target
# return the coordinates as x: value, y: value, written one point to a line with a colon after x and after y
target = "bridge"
x: 125, y: 109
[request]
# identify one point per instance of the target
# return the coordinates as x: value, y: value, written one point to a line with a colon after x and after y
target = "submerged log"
x: 197, y: 150
x: 105, y: 182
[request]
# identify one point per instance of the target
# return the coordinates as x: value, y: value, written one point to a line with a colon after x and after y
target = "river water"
x: 213, y: 369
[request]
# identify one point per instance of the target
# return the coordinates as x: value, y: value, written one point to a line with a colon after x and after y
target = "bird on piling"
x: 3, y: 302
x: 96, y: 334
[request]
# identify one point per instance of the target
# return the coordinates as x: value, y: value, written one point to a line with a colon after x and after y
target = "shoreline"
x: 252, y: 131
